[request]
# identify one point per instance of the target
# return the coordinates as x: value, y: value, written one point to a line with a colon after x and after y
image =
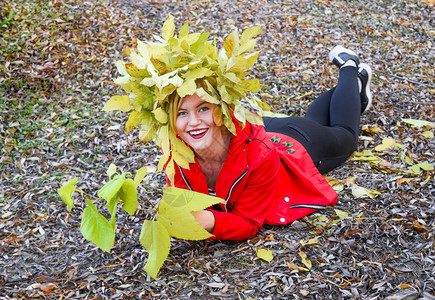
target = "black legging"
x: 329, y: 131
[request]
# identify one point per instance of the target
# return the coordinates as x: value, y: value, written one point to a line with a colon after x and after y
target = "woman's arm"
x: 247, y: 213
x: 206, y: 219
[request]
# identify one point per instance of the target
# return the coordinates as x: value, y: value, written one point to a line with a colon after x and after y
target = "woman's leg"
x: 329, y: 131
x: 341, y: 105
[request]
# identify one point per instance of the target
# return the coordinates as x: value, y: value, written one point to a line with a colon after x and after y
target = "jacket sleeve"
x: 250, y: 208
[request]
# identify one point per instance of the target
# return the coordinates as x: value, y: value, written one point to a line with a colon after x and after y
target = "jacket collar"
x: 234, y: 168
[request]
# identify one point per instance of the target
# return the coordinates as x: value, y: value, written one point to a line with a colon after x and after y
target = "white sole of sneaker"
x: 366, y: 91
x: 337, y: 50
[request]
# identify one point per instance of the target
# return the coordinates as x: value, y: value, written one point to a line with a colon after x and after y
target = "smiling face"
x: 195, y: 124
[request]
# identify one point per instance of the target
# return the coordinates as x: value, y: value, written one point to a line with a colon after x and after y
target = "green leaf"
x: 169, y: 168
x: 155, y: 238
x: 168, y: 28
x: 110, y: 189
x: 419, y: 168
x: 236, y: 64
x: 201, y: 44
x: 140, y: 174
x: 265, y: 254
x: 428, y: 134
x: 417, y: 123
x: 426, y: 166
x: 416, y: 169
x: 111, y: 170
x: 113, y: 207
x: 341, y: 214
x: 66, y: 192
x: 249, y: 45
x: 175, y: 212
x: 205, y: 96
x: 96, y: 228
x: 121, y: 103
x: 128, y: 194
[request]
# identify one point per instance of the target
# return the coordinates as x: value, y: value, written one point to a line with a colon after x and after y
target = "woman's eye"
x: 204, y: 108
x: 181, y: 113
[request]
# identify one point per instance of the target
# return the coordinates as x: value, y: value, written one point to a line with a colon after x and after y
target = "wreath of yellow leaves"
x: 173, y: 64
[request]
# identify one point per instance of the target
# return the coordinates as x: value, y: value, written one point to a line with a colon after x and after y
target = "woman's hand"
x: 205, y: 218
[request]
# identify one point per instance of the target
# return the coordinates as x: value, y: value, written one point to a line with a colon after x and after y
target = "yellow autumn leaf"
x: 66, y: 192
x: 168, y: 28
x: 140, y: 174
x: 161, y: 115
x: 371, y: 129
x: 249, y: 33
x: 175, y: 212
x: 311, y: 242
x: 305, y: 260
x: 169, y: 169
x: 418, y: 123
x: 184, y: 30
x: 386, y: 144
x: 121, y: 103
x: 265, y: 254
x: 187, y: 88
x: 147, y: 132
x: 134, y: 119
x: 231, y: 43
x: 296, y: 267
x: 361, y: 192
x: 365, y: 156
x: 155, y: 238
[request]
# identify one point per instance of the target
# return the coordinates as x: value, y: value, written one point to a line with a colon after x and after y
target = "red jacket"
x: 266, y: 178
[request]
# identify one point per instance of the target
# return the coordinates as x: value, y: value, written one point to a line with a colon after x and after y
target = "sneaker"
x: 365, y: 75
x: 340, y: 55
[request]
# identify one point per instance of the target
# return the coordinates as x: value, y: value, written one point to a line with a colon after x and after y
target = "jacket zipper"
x: 310, y: 206
x: 232, y: 186
x: 185, y: 179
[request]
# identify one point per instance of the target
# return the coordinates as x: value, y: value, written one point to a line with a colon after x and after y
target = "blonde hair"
x: 174, y: 106
x: 175, y: 100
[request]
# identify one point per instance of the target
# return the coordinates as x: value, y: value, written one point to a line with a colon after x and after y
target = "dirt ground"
x: 56, y: 72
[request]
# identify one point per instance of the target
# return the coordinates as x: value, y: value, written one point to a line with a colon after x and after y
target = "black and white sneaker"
x: 365, y: 76
x: 340, y: 55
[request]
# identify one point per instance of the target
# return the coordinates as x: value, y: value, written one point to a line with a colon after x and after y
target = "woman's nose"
x: 194, y: 119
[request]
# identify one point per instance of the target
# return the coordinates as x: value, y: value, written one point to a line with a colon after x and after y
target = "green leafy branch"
x: 173, y: 218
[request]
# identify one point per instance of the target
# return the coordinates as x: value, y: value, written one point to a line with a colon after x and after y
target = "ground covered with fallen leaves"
x: 56, y: 71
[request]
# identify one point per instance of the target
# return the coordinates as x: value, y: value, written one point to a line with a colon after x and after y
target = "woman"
x: 184, y: 92
x: 272, y: 174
